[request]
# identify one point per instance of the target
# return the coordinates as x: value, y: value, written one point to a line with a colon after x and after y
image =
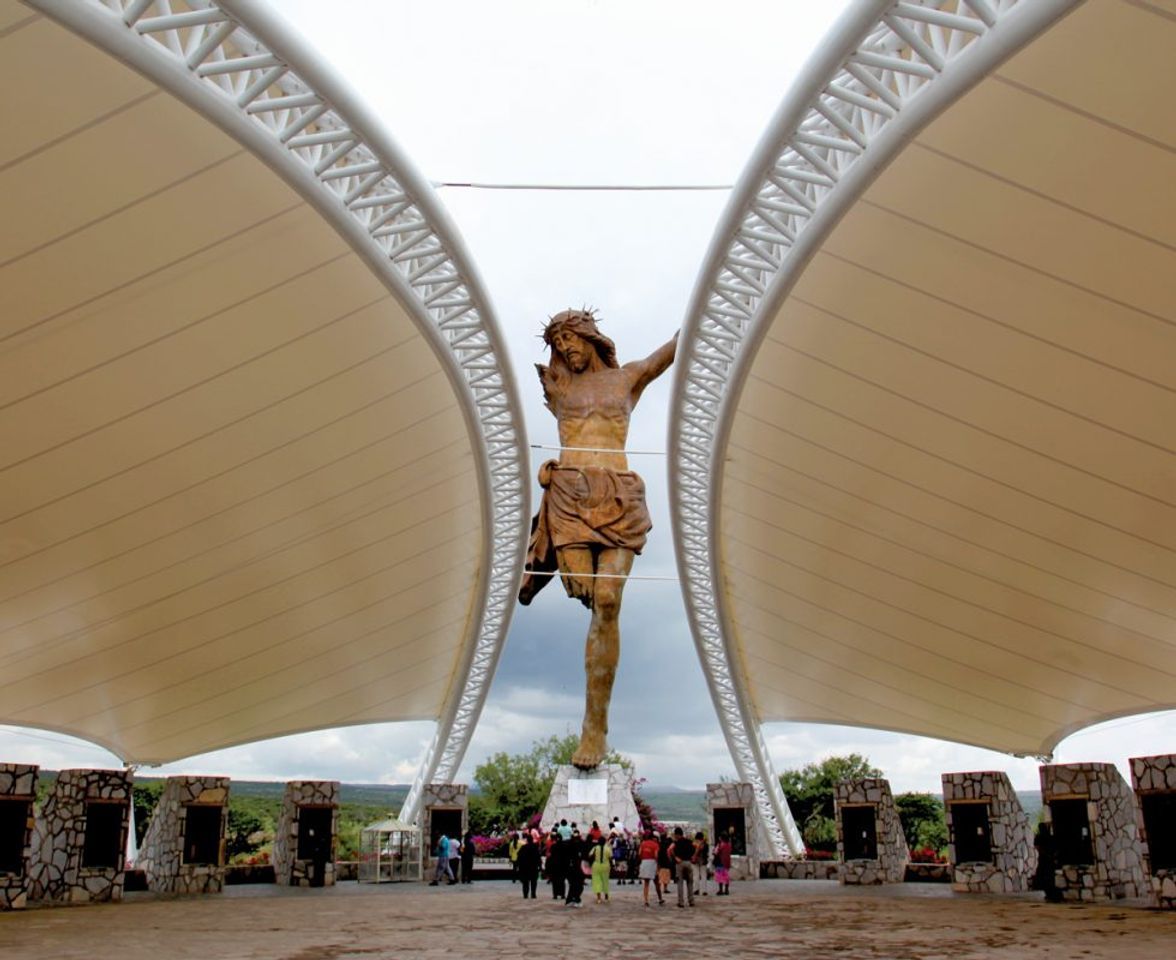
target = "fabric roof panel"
x: 288, y: 248
x: 201, y: 368
x: 242, y: 492
x: 1093, y: 63
x: 1000, y: 291
x: 1059, y: 241
x: 1006, y: 358
x: 45, y: 199
x: 957, y: 690
x: 947, y: 496
x: 995, y: 614
x: 818, y: 486
x: 86, y: 265
x: 913, y: 441
x: 1074, y: 142
x: 233, y: 541
x: 72, y: 101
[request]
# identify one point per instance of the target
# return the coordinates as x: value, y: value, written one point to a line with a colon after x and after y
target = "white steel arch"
x: 241, y: 68
x: 885, y: 71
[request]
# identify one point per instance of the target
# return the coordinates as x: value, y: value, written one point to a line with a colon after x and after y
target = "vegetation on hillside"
x: 809, y: 791
x: 254, y: 809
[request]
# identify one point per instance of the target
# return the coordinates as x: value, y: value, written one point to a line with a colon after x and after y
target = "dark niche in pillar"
x: 103, y: 844
x: 971, y: 832
x: 1159, y: 818
x: 445, y: 822
x: 202, y: 833
x: 859, y: 824
x: 731, y: 822
x: 1071, y: 833
x: 314, y: 840
x: 14, y: 820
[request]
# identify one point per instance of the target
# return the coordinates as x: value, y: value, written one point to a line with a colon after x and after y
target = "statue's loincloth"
x: 583, y: 506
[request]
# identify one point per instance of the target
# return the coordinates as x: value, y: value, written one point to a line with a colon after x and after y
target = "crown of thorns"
x: 583, y: 323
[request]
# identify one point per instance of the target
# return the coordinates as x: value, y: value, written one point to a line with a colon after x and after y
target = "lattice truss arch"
x: 885, y: 71
x: 228, y: 48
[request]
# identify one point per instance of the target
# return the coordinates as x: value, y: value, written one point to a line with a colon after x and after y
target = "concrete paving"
x: 770, y: 918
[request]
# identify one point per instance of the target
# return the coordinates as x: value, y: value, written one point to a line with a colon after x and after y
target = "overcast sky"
x: 570, y: 93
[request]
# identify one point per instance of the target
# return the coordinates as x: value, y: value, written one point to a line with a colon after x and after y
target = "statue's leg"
x: 573, y: 560
x: 601, y: 654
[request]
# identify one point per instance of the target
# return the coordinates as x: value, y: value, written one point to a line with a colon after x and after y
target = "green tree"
x: 512, y: 788
x: 923, y: 820
x: 252, y: 825
x: 809, y: 792
x: 145, y: 797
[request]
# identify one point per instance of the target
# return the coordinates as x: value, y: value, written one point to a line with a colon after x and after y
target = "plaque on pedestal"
x: 581, y: 796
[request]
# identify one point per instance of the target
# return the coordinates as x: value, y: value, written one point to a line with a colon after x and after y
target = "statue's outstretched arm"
x: 647, y: 370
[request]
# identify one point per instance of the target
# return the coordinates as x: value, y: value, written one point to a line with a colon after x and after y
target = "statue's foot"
x: 590, y: 752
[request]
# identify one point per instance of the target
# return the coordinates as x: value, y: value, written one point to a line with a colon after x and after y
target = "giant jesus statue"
x: 592, y: 520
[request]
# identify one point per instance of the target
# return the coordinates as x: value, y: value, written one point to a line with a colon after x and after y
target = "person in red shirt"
x: 647, y: 853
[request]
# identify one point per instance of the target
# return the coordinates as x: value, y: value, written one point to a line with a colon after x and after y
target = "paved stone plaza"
x: 771, y: 918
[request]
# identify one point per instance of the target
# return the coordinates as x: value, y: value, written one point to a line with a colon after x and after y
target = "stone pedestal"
x: 304, y: 842
x: 80, y: 837
x: 18, y: 788
x: 731, y: 809
x: 1091, y: 811
x: 990, y: 842
x: 1154, y: 780
x: 581, y: 796
x: 444, y: 810
x: 183, y: 850
x: 870, y: 840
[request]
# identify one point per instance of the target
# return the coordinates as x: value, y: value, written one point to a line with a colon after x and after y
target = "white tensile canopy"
x: 943, y: 478
x: 261, y: 462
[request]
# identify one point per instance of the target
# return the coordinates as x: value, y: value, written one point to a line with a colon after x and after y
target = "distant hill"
x: 389, y: 795
x: 674, y: 803
x: 669, y: 802
x: 1031, y: 802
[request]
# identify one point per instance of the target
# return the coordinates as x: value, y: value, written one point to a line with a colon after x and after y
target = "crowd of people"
x: 570, y: 860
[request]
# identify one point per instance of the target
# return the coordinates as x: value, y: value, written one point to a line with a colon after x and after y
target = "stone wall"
x: 59, y: 870
x: 739, y: 796
x: 890, y: 864
x: 1155, y: 777
x: 1117, y: 868
x: 162, y: 854
x: 18, y: 785
x: 439, y: 797
x: 798, y: 869
x: 1011, y: 838
x: 302, y: 795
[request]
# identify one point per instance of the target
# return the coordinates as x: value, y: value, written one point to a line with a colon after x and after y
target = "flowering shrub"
x: 645, y: 812
x: 926, y: 855
x: 811, y: 854
x: 490, y: 846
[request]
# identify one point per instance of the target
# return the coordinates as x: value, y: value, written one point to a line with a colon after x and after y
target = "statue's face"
x: 576, y: 351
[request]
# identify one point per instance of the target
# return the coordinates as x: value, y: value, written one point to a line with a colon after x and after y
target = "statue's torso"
x: 592, y: 411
